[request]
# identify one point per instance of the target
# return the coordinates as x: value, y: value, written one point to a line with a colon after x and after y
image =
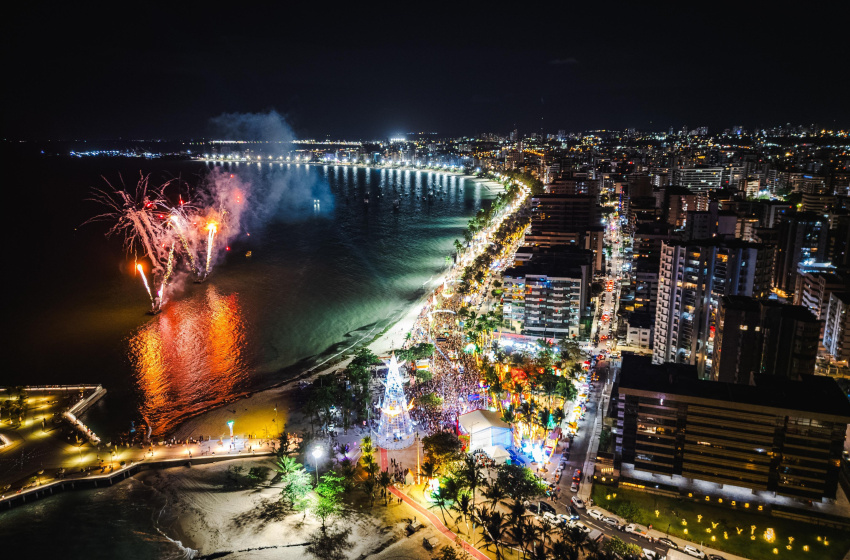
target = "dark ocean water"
x: 326, y: 270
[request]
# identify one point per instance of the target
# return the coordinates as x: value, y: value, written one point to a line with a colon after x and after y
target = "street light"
x: 317, y: 452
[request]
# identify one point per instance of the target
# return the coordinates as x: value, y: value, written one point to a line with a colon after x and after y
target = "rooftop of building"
x: 740, y: 303
x: 816, y: 396
x: 643, y: 265
x: 796, y: 312
x: 728, y: 242
x: 746, y: 303
x: 641, y: 320
x: 843, y: 297
x: 829, y: 278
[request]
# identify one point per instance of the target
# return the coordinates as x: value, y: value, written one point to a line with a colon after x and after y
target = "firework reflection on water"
x: 189, y: 359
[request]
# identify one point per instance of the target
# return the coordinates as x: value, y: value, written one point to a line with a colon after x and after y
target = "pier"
x: 36, y: 461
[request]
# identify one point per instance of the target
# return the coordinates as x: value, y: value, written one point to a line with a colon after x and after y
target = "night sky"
x: 365, y: 71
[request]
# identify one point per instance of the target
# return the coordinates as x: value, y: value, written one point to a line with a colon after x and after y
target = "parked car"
x: 577, y: 502
x: 543, y: 507
x: 637, y: 530
x: 595, y: 514
x: 574, y: 487
x: 582, y: 526
x: 650, y: 554
x: 550, y: 517
x: 612, y: 521
x: 564, y: 519
x: 716, y: 557
x: 667, y: 542
x: 693, y: 551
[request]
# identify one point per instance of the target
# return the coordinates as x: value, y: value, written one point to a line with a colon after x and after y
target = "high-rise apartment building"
x: 680, y: 201
x: 802, y: 237
x: 763, y: 337
x: 561, y: 211
x: 700, y: 178
x: 781, y: 436
x: 692, y: 278
x: 812, y: 290
x: 549, y: 294
x: 836, y: 336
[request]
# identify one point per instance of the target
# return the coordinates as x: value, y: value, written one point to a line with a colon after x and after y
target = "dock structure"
x: 36, y: 461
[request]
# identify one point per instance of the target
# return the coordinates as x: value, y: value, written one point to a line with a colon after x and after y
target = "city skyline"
x: 383, y: 275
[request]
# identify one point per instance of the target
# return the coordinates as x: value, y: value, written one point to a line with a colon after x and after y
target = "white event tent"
x: 487, y: 432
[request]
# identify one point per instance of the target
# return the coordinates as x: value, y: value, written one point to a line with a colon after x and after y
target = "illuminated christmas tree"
x: 395, y: 430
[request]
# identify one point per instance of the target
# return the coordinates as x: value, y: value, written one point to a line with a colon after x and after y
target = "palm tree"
x: 543, y: 418
x: 429, y: 471
x: 469, y: 476
x: 384, y: 481
x: 463, y: 507
x: 285, y: 465
x: 366, y: 447
x: 545, y: 534
x: 368, y: 486
x: 494, y: 526
x: 348, y: 469
x: 496, y: 494
x: 519, y: 533
x: 575, y: 536
x: 517, y: 511
x: 563, y: 551
x: 445, y: 494
x: 371, y: 467
x: 558, y: 416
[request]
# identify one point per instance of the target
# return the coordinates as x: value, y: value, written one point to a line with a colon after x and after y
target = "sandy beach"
x: 206, y: 518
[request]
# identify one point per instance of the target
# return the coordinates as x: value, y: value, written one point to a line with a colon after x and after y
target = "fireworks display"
x: 175, y: 237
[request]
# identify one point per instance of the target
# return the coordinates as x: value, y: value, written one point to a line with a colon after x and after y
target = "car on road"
x: 582, y: 526
x: 693, y: 551
x: 650, y: 554
x: 564, y: 519
x: 577, y: 502
x: 595, y: 514
x: 550, y: 517
x: 543, y: 507
x: 574, y: 487
x: 612, y: 521
x: 636, y: 529
x: 667, y: 542
x: 577, y: 475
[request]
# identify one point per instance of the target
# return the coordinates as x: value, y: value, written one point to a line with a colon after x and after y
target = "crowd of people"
x: 454, y: 373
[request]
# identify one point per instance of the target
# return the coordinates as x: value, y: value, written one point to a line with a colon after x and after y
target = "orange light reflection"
x: 189, y: 358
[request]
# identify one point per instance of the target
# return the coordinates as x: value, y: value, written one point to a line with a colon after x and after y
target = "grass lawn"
x: 731, y: 528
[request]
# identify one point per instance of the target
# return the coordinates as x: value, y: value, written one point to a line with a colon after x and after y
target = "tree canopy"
x: 442, y: 448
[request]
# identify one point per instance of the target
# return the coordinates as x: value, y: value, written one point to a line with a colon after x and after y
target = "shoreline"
x: 265, y: 411
x: 253, y: 411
